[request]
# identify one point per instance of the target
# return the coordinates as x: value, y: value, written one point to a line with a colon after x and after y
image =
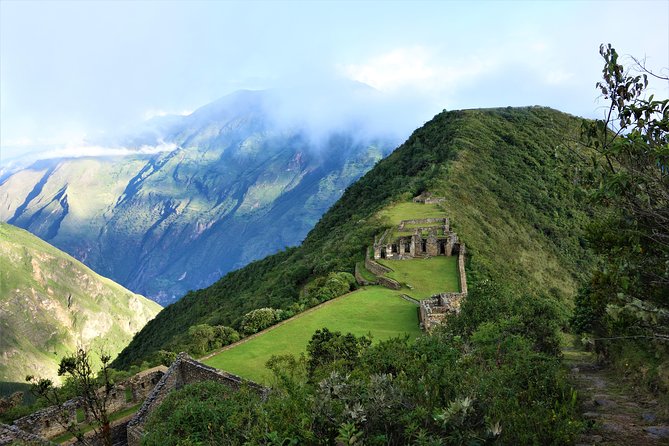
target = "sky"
x: 71, y: 72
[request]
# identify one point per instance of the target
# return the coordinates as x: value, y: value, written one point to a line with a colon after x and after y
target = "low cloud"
x: 79, y: 151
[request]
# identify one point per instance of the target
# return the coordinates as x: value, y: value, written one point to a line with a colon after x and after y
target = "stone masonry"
x: 184, y: 370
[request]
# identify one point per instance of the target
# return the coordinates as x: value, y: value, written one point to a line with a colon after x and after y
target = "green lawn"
x: 374, y: 310
x: 426, y: 276
x: 411, y: 211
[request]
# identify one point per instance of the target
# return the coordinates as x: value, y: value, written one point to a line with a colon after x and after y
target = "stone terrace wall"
x: 10, y: 434
x: 183, y: 371
x: 361, y: 280
x: 389, y: 283
x: 376, y: 268
x: 49, y: 421
x: 427, y: 221
x: 461, y: 269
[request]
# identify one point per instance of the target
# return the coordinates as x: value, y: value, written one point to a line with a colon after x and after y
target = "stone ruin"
x: 428, y: 198
x: 184, y: 370
x: 151, y: 386
x: 421, y: 238
x: 427, y: 237
x: 49, y: 422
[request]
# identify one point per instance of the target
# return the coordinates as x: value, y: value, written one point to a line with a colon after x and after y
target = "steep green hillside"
x: 229, y: 186
x: 50, y: 304
x: 511, y: 186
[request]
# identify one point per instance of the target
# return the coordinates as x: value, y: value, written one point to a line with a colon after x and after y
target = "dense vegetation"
x: 624, y: 308
x: 509, y: 177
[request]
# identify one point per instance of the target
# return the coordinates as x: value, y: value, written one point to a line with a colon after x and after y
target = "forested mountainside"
x: 510, y: 177
x: 228, y: 185
x: 51, y: 304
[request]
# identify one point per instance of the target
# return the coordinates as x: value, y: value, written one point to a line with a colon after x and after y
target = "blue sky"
x: 72, y: 71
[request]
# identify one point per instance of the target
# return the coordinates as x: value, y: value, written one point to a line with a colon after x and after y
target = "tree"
x: 259, y: 319
x: 94, y: 393
x: 631, y: 182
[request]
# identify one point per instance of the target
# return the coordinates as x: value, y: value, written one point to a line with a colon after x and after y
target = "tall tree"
x: 631, y: 180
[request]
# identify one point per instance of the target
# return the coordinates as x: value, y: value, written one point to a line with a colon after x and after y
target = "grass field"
x: 426, y: 276
x: 374, y: 310
x: 411, y: 211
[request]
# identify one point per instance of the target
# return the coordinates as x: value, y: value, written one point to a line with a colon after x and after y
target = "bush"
x: 259, y: 319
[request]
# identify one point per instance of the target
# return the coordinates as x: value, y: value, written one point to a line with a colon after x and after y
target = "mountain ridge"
x: 511, y: 193
x: 165, y: 223
x: 52, y: 304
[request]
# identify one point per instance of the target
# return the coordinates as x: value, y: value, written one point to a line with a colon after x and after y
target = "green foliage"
x: 204, y: 338
x: 325, y: 288
x: 207, y: 413
x: 259, y: 319
x: 327, y: 347
x: 625, y: 304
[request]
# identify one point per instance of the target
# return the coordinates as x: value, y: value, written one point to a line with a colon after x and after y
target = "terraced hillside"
x: 50, y: 304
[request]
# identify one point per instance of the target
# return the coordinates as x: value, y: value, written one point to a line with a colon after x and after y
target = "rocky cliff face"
x: 51, y: 304
x: 231, y: 187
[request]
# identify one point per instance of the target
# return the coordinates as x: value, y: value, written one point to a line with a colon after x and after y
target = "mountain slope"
x: 230, y: 186
x: 511, y: 187
x: 50, y: 304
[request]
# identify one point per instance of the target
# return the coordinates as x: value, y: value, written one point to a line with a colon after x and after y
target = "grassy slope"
x: 374, y: 310
x: 37, y: 324
x: 509, y: 179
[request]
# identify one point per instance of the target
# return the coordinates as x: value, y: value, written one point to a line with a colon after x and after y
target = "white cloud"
x: 153, y: 113
x: 420, y: 68
x: 78, y: 151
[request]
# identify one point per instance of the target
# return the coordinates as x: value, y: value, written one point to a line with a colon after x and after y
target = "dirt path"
x: 616, y: 415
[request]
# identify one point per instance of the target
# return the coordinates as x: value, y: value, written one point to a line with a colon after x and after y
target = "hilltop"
x: 511, y: 189
x: 51, y: 304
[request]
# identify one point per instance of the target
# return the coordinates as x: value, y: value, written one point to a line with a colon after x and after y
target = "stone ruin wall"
x: 433, y: 310
x: 376, y: 268
x: 48, y: 422
x: 360, y: 279
x: 183, y: 371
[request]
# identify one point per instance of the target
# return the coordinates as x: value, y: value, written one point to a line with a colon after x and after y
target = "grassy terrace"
x: 425, y: 276
x: 374, y: 310
x: 411, y: 211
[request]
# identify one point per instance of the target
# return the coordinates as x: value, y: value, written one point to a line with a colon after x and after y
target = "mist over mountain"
x: 182, y: 200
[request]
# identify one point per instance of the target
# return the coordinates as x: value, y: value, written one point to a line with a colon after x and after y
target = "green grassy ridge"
x: 51, y: 304
x: 373, y: 310
x: 511, y: 191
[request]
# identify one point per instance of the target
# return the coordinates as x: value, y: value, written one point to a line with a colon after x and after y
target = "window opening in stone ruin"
x: 383, y: 253
x: 423, y: 246
x: 442, y: 248
x: 407, y: 247
x: 143, y: 385
x: 394, y: 249
x: 47, y: 423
